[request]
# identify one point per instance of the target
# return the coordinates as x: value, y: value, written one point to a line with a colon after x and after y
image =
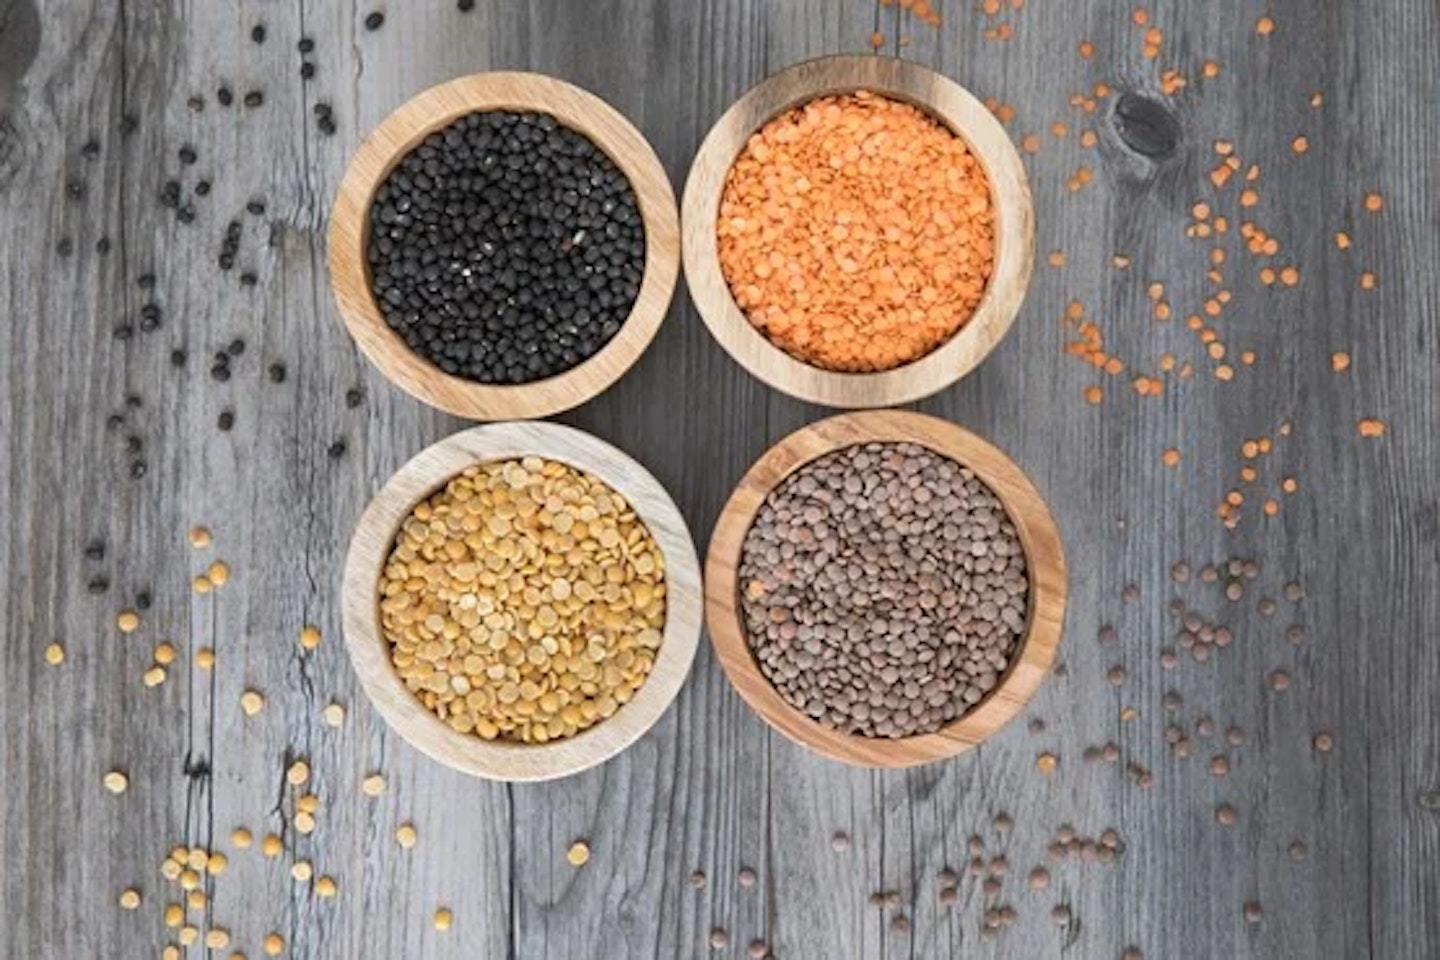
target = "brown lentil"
x: 856, y: 232
x: 524, y: 601
x: 883, y: 589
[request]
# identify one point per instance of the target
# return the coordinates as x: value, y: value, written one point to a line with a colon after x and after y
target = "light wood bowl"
x: 369, y: 651
x: 1044, y: 556
x: 953, y: 106
x: 435, y: 109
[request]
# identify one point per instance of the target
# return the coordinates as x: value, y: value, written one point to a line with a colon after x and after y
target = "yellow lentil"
x: 373, y: 785
x: 443, y: 919
x: 196, y: 899
x: 55, y: 654
x: 154, y: 676
x: 271, y: 845
x: 200, y: 537
x: 164, y: 653
x: 579, y: 853
x: 302, y: 870
x: 298, y: 773
x: 525, y: 601
x: 217, y: 938
x: 189, y: 935
x: 405, y: 835
x: 127, y: 621
x: 219, y: 573
x: 129, y: 899
x: 116, y: 782
x: 274, y: 943
x: 326, y: 887
x: 310, y: 637
x: 174, y: 915
x: 251, y: 702
x: 201, y: 584
x: 304, y: 823
x: 205, y: 658
x: 334, y: 714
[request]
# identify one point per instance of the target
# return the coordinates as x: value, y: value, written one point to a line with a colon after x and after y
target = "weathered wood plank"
x: 711, y: 788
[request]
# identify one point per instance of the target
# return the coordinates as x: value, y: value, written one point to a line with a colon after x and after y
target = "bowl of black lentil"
x: 885, y: 588
x: 504, y: 246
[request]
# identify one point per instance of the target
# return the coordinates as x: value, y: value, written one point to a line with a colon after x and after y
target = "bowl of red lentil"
x: 522, y: 601
x: 857, y: 231
x: 504, y: 246
x: 885, y: 588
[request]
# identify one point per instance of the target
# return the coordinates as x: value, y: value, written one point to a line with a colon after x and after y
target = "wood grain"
x: 374, y: 539
x: 711, y: 787
x: 434, y: 109
x: 1045, y: 616
x: 1014, y: 230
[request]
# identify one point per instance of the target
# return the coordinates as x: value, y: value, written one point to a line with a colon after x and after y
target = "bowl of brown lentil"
x: 504, y: 246
x: 885, y: 588
x: 858, y: 231
x: 522, y: 601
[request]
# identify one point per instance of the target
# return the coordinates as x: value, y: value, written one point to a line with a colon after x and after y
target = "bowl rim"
x: 374, y: 538
x: 434, y: 109
x: 1039, y: 537
x: 946, y: 101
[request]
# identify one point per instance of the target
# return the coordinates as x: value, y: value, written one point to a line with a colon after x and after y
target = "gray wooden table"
x: 711, y: 788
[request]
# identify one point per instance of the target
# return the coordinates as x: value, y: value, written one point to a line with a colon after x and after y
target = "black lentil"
x: 248, y: 279
x: 143, y: 600
x: 178, y: 357
x: 98, y: 584
x: 354, y: 397
x: 102, y: 246
x: 336, y: 450
x: 465, y: 6
x: 305, y: 45
x: 225, y: 421
x: 90, y: 150
x: 254, y: 98
x: 137, y: 469
x: 307, y: 71
x: 277, y: 372
x: 202, y: 189
x: 146, y: 281
x: 256, y: 208
x: 133, y: 444
x: 375, y: 21
x: 95, y: 550
x: 506, y: 248
x: 75, y: 190
x: 257, y: 33
x: 65, y: 247
x: 236, y: 347
x: 224, y: 96
x: 129, y: 124
x: 188, y: 155
x: 185, y: 214
x: 196, y: 103
x: 115, y: 421
x: 122, y: 331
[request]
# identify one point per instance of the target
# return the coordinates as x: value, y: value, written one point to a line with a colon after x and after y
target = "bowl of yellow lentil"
x: 522, y: 601
x: 857, y: 231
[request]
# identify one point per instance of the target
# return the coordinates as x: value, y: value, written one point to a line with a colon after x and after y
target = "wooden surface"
x: 1014, y: 230
x: 710, y: 787
x: 1045, y: 565
x: 370, y: 650
x: 434, y: 109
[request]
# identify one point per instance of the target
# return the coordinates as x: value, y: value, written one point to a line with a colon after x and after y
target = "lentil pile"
x: 856, y: 232
x: 884, y: 589
x: 525, y: 601
x: 506, y: 248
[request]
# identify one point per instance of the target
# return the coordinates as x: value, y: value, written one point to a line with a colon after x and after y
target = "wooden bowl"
x: 946, y: 101
x: 1044, y: 555
x: 427, y: 472
x: 435, y: 109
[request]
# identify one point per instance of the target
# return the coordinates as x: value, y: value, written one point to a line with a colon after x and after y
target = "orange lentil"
x: 1087, y: 49
x: 1265, y: 444
x: 1216, y: 349
x: 1265, y: 26
x: 1342, y: 240
x: 1300, y: 144
x: 1317, y: 98
x: 1248, y: 474
x: 1367, y: 280
x: 990, y: 7
x: 877, y: 40
x: 1210, y: 69
x: 1058, y: 129
x: 1167, y: 362
x: 856, y: 232
x: 1194, y: 322
x: 1088, y: 138
x: 1272, y: 507
x: 1224, y: 148
x: 1201, y: 210
x: 1102, y: 89
x: 1056, y: 258
x: 1284, y: 430
x: 1220, y: 176
x: 1339, y: 361
x: 1093, y: 395
x: 1162, y: 310
x: 1374, y: 202
x: 1371, y: 427
x: 903, y: 41
x: 1005, y: 113
x: 1170, y: 457
x: 1113, y: 366
x: 1217, y: 255
x: 1248, y: 198
x: 1234, y: 498
x: 1224, y: 372
x: 1140, y: 16
x: 1120, y: 261
x: 1249, y: 449
x: 1030, y: 143
x: 1289, y: 276
x: 1267, y: 276
x: 1221, y: 224
x: 1208, y: 336
x: 1289, y: 485
x: 1247, y: 357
